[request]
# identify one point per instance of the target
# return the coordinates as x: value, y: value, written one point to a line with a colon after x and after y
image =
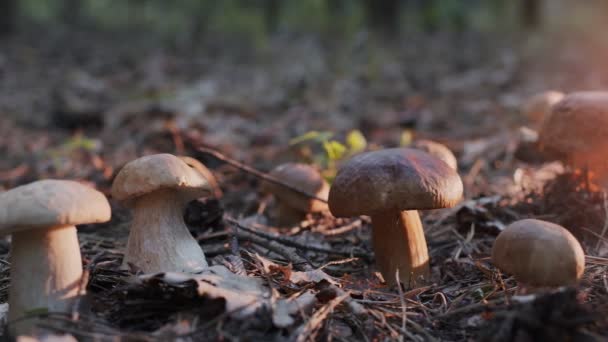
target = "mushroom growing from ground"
x: 577, y: 133
x: 538, y: 107
x: 539, y: 253
x: 158, y: 188
x: 391, y: 185
x: 293, y: 206
x: 203, y: 170
x: 46, y: 266
x: 437, y: 150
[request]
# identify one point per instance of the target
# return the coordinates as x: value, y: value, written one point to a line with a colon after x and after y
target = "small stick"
x: 246, y: 168
x: 291, y: 243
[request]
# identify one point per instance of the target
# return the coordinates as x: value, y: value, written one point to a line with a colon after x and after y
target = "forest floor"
x: 81, y: 105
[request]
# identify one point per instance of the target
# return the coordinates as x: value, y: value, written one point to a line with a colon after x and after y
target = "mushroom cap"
x: 577, y: 127
x: 51, y: 203
x: 155, y: 172
x: 437, y: 150
x: 393, y: 179
x: 302, y: 177
x: 539, y: 253
x: 538, y: 107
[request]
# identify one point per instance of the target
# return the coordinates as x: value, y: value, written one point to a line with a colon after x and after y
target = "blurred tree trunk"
x: 272, y: 12
x: 383, y: 15
x: 8, y: 16
x: 530, y: 14
x: 70, y: 11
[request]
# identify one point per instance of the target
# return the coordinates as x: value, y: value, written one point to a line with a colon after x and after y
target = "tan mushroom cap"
x: 578, y: 127
x: 393, y: 179
x: 538, y: 107
x: 51, y: 203
x: 437, y: 150
x: 539, y: 253
x: 304, y: 178
x: 157, y: 172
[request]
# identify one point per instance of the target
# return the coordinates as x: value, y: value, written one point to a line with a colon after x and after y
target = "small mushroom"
x: 46, y: 266
x: 539, y: 253
x: 158, y: 188
x: 576, y: 132
x: 538, y: 107
x: 391, y: 185
x: 437, y: 150
x: 294, y: 206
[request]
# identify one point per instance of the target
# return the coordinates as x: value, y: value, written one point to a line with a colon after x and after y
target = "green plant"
x: 319, y: 148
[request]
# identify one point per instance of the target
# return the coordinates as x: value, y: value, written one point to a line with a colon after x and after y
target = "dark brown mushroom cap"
x: 539, y: 253
x: 578, y: 126
x: 158, y: 172
x: 302, y: 177
x: 51, y: 203
x: 437, y: 150
x: 393, y: 179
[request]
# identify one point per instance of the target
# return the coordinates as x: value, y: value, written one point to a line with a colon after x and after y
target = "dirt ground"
x: 81, y: 105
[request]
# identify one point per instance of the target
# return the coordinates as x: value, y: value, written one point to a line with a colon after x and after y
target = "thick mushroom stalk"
x: 46, y: 266
x: 159, y: 238
x: 390, y: 185
x: 399, y: 244
x: 158, y: 187
x: 46, y: 273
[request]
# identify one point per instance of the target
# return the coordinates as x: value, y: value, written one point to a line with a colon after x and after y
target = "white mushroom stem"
x: 46, y: 273
x: 399, y: 243
x: 159, y: 240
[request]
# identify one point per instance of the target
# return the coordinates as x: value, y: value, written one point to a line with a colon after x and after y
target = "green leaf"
x: 334, y: 149
x: 311, y: 136
x: 356, y: 141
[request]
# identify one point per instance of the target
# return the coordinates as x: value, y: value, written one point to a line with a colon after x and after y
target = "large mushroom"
x: 292, y: 205
x: 158, y: 187
x: 391, y: 185
x: 539, y: 253
x: 46, y: 266
x: 576, y: 132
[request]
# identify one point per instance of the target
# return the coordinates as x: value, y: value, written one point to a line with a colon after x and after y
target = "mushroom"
x: 437, y: 150
x: 203, y: 170
x: 46, y: 266
x: 158, y: 187
x: 391, y: 185
x: 576, y: 132
x: 539, y: 253
x: 538, y: 107
x: 292, y: 205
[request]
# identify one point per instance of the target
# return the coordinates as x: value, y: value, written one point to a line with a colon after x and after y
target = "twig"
x: 403, y: 305
x: 291, y: 243
x: 599, y: 241
x: 309, y: 331
x: 246, y: 168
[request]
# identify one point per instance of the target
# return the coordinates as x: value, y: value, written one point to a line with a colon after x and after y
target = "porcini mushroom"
x: 391, y: 185
x: 46, y: 266
x: 292, y: 205
x: 576, y: 133
x: 158, y: 187
x: 203, y: 170
x: 538, y: 107
x: 539, y: 253
x: 437, y: 150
